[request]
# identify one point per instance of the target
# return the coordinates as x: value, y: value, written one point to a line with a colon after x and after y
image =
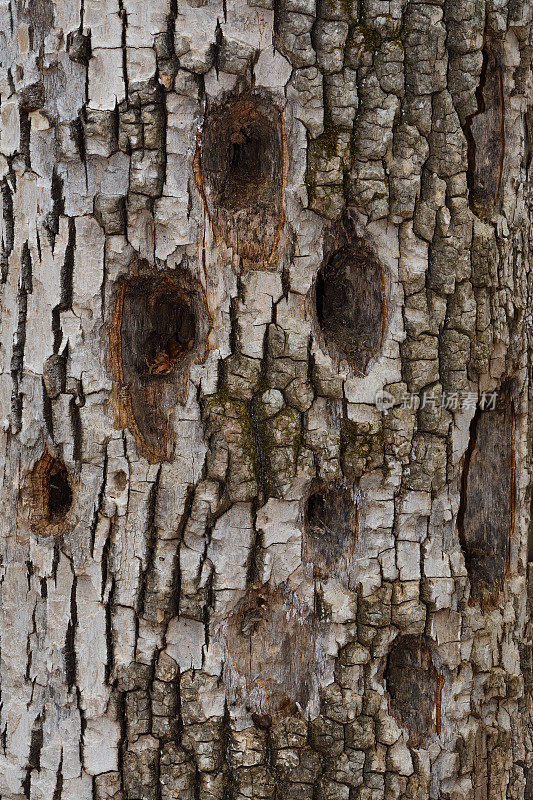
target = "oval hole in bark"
x: 51, y: 495
x: 414, y: 686
x: 120, y: 479
x: 59, y: 492
x: 271, y: 642
x: 330, y: 526
x: 242, y: 170
x: 350, y: 304
x: 159, y: 328
x: 486, y: 510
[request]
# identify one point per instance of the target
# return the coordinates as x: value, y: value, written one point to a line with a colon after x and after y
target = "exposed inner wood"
x: 414, y: 687
x: 486, y: 135
x: 50, y: 496
x: 242, y: 172
x: 486, y: 513
x: 349, y: 301
x: 330, y: 527
x: 159, y: 329
x: 271, y: 644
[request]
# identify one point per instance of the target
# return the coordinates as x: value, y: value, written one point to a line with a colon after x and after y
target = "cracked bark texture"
x: 290, y: 593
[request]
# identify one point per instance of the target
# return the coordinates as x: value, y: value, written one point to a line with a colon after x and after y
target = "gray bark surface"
x: 226, y: 573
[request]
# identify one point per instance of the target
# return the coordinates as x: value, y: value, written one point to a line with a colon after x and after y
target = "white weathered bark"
x: 227, y: 228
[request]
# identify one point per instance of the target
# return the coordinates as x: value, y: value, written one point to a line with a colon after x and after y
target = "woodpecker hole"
x: 350, y: 304
x: 51, y: 496
x: 330, y: 526
x: 158, y: 332
x: 414, y: 686
x: 159, y: 329
x: 242, y: 172
x: 59, y: 492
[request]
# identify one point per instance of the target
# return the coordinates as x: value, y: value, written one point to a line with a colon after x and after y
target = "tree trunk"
x: 265, y: 392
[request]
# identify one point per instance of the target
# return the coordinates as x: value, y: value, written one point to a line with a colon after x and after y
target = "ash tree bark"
x: 265, y: 398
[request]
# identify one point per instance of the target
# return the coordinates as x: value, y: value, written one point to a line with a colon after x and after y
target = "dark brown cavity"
x: 159, y: 329
x: 120, y: 480
x: 330, y: 527
x: 51, y: 496
x: 486, y: 511
x: 485, y: 134
x: 350, y: 304
x: 242, y: 172
x: 414, y: 686
x: 271, y: 644
x: 59, y: 492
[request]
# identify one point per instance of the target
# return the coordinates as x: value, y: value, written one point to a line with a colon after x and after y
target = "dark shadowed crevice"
x: 47, y: 412
x: 19, y: 338
x: 51, y: 223
x: 25, y: 133
x: 70, y: 638
x: 58, y: 791
x: 8, y: 238
x: 67, y: 268
x: 34, y: 757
